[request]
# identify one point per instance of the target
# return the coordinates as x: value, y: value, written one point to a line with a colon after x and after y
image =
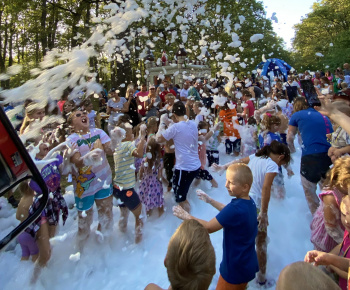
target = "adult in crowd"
x: 142, y: 98
x: 292, y: 88
x: 133, y: 113
x: 194, y: 90
x: 154, y: 102
x: 166, y: 91
x: 346, y: 70
x: 315, y: 162
x: 184, y: 92
x: 92, y: 176
x: 185, y: 135
x: 116, y: 106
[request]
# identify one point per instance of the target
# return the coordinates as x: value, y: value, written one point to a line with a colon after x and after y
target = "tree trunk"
x: 43, y: 34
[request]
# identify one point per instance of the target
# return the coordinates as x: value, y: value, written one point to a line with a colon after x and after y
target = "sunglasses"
x: 80, y: 114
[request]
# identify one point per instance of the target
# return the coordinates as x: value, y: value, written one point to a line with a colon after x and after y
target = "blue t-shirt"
x: 313, y: 128
x: 266, y: 138
x: 239, y: 220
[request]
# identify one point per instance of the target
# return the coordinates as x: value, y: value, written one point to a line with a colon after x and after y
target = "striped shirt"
x: 89, y: 180
x: 124, y: 165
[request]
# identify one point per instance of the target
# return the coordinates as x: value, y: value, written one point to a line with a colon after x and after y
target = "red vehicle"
x: 16, y: 166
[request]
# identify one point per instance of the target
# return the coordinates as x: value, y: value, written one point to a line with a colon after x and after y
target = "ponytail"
x: 275, y: 148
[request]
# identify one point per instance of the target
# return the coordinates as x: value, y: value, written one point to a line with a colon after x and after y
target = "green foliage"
x: 325, y: 30
x: 42, y: 25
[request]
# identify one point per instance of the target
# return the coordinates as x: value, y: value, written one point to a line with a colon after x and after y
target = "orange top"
x: 226, y: 117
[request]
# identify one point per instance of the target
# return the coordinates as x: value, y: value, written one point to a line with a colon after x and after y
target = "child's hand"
x: 117, y: 134
x: 218, y: 168
x: 290, y: 173
x: 93, y: 158
x: 331, y: 151
x: 216, y: 126
x: 263, y: 222
x: 203, y: 196
x: 317, y: 257
x: 181, y: 213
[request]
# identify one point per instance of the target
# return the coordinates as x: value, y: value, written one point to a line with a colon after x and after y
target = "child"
x: 233, y: 139
x: 284, y: 124
x: 238, y: 219
x: 212, y: 148
x: 203, y: 136
x: 27, y: 242
x: 189, y: 248
x: 33, y: 112
x: 152, y: 126
x: 326, y: 227
x: 124, y: 180
x: 94, y: 121
x: 249, y: 107
x: 338, y: 258
x: 264, y: 165
x: 272, y: 125
x: 249, y: 137
x: 151, y: 189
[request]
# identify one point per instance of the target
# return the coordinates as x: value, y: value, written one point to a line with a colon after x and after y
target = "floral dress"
x: 151, y: 188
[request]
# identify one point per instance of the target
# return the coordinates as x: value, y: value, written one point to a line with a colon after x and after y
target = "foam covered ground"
x: 120, y: 264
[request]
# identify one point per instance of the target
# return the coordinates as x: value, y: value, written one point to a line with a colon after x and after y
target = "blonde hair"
x: 269, y: 120
x: 169, y: 96
x: 339, y: 175
x: 152, y: 121
x: 242, y: 173
x: 190, y: 260
x: 30, y: 109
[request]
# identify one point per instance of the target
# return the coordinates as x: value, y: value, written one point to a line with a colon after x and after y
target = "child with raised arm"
x: 124, y: 180
x: 239, y: 221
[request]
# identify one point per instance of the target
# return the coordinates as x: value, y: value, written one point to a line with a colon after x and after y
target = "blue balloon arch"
x: 276, y: 65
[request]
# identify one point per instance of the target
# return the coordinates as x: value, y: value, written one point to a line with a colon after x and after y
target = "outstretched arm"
x: 212, y: 226
x: 206, y: 198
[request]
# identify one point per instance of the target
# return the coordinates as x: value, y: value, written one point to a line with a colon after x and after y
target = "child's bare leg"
x: 84, y: 224
x: 185, y: 205
x: 310, y: 194
x: 43, y: 242
x: 35, y: 257
x: 105, y: 215
x: 138, y: 224
x: 123, y: 220
x: 214, y: 183
x: 160, y: 210
x: 52, y: 231
x: 261, y: 250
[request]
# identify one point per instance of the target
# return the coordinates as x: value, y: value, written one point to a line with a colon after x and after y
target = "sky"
x: 288, y: 14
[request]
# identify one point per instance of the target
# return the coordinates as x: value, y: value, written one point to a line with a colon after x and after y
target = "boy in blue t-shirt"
x: 239, y: 221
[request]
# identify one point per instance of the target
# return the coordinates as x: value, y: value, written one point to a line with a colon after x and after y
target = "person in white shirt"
x: 184, y: 92
x: 184, y: 133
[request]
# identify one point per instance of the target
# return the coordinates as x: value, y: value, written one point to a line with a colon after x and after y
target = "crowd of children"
x: 162, y: 143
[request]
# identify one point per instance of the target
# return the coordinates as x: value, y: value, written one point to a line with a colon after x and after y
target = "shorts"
x: 283, y: 138
x: 232, y: 146
x: 315, y: 166
x: 28, y: 245
x: 182, y: 180
x: 87, y: 202
x: 224, y: 285
x: 128, y: 197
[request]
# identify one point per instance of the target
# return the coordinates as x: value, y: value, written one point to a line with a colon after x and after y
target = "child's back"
x: 239, y: 220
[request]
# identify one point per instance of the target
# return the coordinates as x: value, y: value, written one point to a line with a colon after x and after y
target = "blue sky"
x: 288, y: 13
